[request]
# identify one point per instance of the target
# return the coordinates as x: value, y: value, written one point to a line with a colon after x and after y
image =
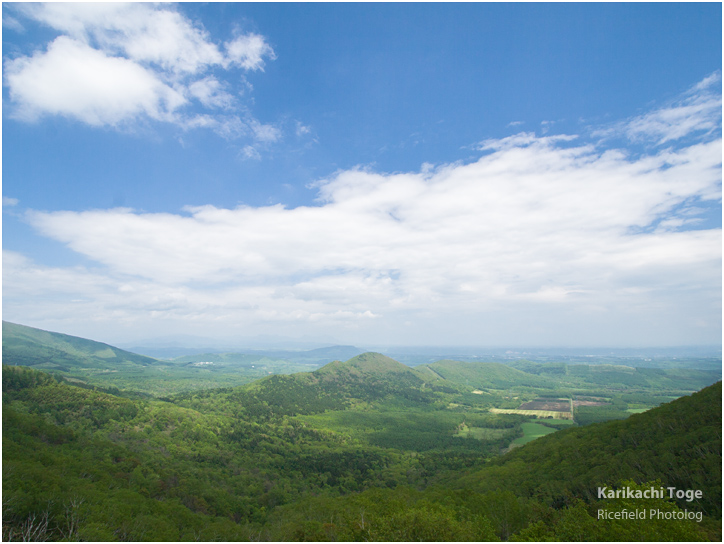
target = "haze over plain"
x: 428, y: 174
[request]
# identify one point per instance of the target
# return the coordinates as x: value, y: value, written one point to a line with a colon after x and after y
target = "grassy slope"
x: 531, y: 431
x: 27, y: 346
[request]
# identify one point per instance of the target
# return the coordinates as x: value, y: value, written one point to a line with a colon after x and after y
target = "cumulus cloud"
x: 115, y: 64
x: 75, y: 80
x: 141, y: 32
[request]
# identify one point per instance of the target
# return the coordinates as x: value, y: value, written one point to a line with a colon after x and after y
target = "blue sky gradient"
x: 519, y: 174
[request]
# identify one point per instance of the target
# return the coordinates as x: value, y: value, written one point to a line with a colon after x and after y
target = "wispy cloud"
x: 118, y: 64
x: 265, y: 133
x: 302, y: 129
x: 210, y: 92
x: 250, y: 152
x: 249, y: 51
x: 11, y: 23
x: 696, y: 113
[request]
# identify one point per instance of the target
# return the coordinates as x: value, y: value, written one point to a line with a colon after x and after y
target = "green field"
x: 560, y: 423
x: 481, y: 433
x: 531, y: 431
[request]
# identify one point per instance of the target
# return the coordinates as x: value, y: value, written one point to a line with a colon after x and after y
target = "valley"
x: 103, y: 444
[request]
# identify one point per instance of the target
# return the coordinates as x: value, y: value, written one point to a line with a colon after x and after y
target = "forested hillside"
x: 258, y: 462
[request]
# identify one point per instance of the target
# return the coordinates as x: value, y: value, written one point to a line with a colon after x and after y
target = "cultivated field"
x: 549, y: 405
x: 534, y: 413
x: 577, y: 403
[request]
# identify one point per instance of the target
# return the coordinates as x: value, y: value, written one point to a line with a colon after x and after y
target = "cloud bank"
x: 540, y: 240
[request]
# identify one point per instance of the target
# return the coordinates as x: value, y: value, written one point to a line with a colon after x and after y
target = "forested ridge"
x: 365, y: 449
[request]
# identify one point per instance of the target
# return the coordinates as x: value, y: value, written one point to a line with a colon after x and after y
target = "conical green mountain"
x: 338, y: 385
x: 367, y: 365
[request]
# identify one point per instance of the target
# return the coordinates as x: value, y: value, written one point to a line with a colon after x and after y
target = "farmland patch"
x: 548, y: 405
x: 577, y: 403
x: 553, y: 414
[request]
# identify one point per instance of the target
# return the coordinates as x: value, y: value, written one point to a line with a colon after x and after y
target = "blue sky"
x: 478, y: 174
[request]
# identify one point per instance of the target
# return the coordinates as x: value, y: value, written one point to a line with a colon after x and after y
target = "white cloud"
x: 250, y: 152
x: 142, y: 32
x: 496, y: 231
x: 523, y: 139
x: 12, y: 23
x: 116, y: 64
x: 74, y: 80
x: 9, y: 202
x: 249, y: 51
x: 90, y: 303
x: 697, y: 112
x: 210, y: 92
x: 265, y: 133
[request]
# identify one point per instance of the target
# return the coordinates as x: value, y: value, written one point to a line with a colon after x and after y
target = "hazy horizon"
x: 190, y: 343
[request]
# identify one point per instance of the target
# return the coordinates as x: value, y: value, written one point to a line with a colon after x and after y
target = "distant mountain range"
x: 90, y: 360
x: 313, y: 356
x: 187, y: 348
